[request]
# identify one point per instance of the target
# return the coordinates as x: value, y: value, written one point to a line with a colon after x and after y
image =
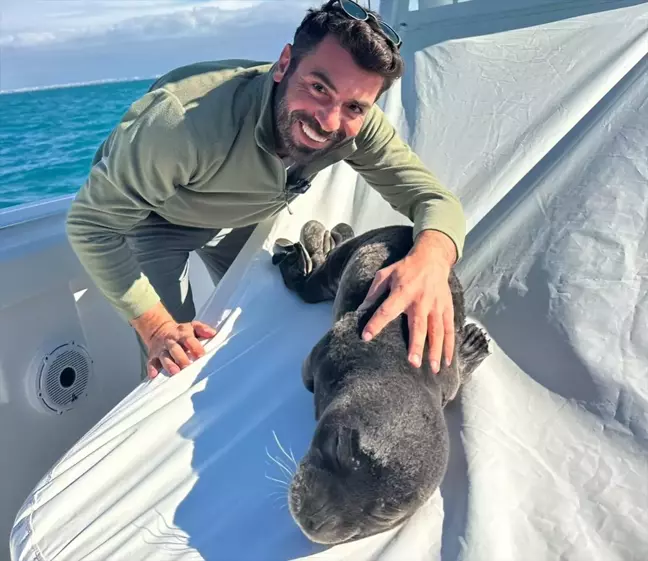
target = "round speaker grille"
x: 63, y: 377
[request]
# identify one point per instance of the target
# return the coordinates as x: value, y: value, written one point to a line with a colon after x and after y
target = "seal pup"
x: 380, y: 447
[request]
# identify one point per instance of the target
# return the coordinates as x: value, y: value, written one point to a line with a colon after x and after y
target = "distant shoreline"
x: 77, y: 84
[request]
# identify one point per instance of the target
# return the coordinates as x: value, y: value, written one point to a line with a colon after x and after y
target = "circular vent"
x: 63, y: 377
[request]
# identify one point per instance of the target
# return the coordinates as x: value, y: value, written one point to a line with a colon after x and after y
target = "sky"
x: 52, y: 42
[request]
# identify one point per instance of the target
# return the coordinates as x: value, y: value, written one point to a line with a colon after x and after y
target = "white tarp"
x: 542, y: 131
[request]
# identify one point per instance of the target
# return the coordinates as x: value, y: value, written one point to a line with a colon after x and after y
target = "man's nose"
x: 329, y: 118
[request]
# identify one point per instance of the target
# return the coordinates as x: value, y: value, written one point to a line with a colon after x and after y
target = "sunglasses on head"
x: 357, y: 12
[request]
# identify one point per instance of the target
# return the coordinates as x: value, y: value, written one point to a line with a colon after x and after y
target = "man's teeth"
x: 310, y: 133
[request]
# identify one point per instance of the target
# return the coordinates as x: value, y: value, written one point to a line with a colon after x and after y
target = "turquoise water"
x: 48, y: 137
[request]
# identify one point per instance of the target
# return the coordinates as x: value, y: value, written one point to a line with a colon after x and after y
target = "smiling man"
x: 216, y: 147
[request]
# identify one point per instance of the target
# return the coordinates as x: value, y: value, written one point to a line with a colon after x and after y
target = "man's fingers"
x: 377, y: 288
x: 171, y: 348
x: 153, y: 367
x: 168, y: 364
x: 177, y: 354
x: 202, y: 329
x: 389, y: 310
x: 417, y: 335
x: 193, y: 346
x: 449, y: 337
x: 435, y: 338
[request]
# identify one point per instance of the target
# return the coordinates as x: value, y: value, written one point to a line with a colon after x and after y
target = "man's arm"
x: 418, y: 284
x: 389, y: 165
x: 134, y: 172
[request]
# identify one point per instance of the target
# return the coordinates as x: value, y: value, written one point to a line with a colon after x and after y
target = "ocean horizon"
x: 77, y: 84
x: 49, y: 134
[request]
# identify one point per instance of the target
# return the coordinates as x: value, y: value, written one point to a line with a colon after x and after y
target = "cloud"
x: 107, y: 21
x: 142, y: 44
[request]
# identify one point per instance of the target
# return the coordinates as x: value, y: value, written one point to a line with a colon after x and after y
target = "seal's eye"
x: 348, y: 449
x: 326, y: 443
x: 339, y: 448
x: 331, y: 449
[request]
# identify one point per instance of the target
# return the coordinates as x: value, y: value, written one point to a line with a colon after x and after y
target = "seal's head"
x: 378, y: 453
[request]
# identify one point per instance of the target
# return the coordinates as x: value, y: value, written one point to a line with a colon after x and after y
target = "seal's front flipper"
x: 450, y: 381
x: 473, y: 350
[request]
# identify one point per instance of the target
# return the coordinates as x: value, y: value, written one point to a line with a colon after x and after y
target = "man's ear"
x: 282, y: 64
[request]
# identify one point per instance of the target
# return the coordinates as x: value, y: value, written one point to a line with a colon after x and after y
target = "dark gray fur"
x: 381, y: 445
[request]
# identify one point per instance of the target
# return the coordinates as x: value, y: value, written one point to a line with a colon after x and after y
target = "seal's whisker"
x: 282, y: 483
x: 292, y: 457
x: 280, y: 464
x: 289, y: 456
x: 280, y: 500
x: 281, y: 496
x: 285, y: 467
x: 283, y: 500
x: 282, y: 505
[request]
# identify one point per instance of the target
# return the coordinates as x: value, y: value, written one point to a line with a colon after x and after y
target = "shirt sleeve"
x: 390, y: 166
x: 135, y: 171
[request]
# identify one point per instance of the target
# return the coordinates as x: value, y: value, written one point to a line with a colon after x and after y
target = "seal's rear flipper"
x: 473, y: 350
x: 341, y: 233
x: 319, y: 242
x: 316, y: 240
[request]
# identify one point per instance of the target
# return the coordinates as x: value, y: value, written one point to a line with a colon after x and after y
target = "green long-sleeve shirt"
x: 198, y: 149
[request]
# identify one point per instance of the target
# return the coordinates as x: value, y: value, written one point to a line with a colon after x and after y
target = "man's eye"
x: 318, y: 87
x: 356, y: 109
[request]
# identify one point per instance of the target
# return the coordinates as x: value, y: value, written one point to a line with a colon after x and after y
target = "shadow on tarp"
x: 237, y: 508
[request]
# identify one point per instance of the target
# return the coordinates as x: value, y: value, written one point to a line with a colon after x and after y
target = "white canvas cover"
x: 542, y: 131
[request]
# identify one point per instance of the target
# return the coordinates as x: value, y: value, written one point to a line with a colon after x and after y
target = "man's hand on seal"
x: 418, y: 286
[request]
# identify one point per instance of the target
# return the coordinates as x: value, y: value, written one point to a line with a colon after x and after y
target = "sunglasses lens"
x: 391, y: 34
x: 354, y: 10
x: 358, y: 12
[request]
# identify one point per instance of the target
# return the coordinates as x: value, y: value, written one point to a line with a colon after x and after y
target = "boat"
x: 535, y: 113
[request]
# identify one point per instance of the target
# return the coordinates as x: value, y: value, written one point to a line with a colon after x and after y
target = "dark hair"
x: 364, y: 41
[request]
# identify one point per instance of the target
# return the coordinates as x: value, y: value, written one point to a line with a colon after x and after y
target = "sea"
x: 48, y: 136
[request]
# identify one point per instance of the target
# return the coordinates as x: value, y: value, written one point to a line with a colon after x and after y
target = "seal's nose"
x: 322, y: 524
x: 331, y: 529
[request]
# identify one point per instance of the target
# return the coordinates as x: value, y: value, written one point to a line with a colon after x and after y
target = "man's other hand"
x: 171, y: 345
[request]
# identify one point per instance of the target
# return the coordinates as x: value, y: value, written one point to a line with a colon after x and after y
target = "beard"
x: 285, y: 121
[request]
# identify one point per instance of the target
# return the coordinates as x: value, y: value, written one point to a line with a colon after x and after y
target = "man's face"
x: 323, y: 101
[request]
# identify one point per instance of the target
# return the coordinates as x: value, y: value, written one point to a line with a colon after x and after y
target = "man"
x: 214, y: 148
